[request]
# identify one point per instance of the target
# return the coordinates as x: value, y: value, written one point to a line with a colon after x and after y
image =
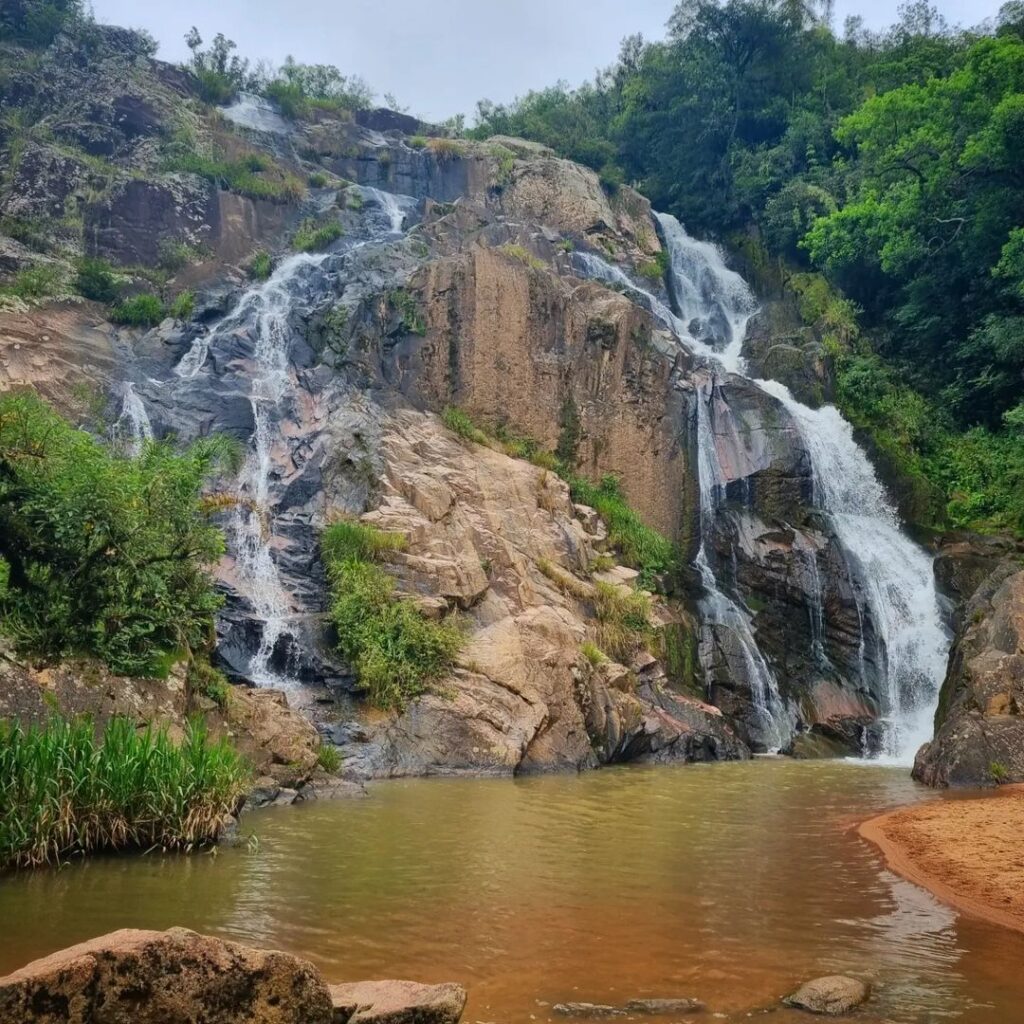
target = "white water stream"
x: 714, y: 307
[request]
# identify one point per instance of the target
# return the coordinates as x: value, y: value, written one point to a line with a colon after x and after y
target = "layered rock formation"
x: 979, y: 725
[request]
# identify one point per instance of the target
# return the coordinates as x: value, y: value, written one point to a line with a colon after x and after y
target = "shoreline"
x: 964, y: 849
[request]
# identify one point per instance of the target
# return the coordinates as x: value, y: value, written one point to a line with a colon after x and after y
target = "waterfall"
x: 132, y: 425
x: 263, y: 318
x: 714, y: 306
x: 897, y: 575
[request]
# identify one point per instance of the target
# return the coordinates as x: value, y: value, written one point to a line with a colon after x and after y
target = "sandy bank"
x: 968, y: 851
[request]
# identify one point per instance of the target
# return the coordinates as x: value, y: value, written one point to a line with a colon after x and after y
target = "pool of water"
x: 731, y: 883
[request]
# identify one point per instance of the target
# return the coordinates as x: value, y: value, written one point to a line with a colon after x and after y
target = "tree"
x: 220, y: 72
x: 37, y: 22
x: 103, y: 554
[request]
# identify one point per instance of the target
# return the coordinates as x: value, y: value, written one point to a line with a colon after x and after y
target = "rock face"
x: 832, y: 996
x: 498, y: 540
x: 147, y: 977
x: 979, y: 725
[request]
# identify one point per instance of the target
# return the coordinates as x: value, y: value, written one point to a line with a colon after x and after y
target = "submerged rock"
x: 397, y: 1002
x: 659, y: 1007
x: 588, y: 1010
x: 832, y: 995
x: 150, y: 977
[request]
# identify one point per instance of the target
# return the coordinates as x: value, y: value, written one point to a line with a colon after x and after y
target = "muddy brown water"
x: 731, y: 883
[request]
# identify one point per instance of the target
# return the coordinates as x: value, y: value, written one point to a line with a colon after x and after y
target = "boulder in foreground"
x: 149, y: 977
x: 397, y: 1002
x: 832, y: 996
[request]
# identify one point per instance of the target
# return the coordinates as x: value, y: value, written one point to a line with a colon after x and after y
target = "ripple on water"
x: 728, y: 882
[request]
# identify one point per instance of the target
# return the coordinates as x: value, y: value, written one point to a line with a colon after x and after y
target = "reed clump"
x: 67, y: 791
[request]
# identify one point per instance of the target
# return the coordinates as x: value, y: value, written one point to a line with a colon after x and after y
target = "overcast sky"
x: 438, y: 58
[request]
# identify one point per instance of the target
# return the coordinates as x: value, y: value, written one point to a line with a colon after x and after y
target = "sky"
x: 439, y: 57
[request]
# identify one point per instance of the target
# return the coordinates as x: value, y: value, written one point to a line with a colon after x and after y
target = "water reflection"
x: 731, y: 883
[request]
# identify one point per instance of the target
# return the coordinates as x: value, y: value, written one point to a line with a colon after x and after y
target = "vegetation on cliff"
x: 102, y: 552
x: 65, y: 791
x: 396, y: 651
x: 889, y: 165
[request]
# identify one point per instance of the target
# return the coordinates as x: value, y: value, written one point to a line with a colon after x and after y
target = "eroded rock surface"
x: 979, y: 725
x: 148, y: 977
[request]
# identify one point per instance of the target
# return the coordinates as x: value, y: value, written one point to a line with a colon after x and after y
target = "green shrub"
x: 641, y: 547
x: 404, y: 303
x: 459, y: 423
x: 446, y: 149
x: 243, y: 176
x: 313, y: 237
x: 317, y: 180
x: 328, y: 758
x: 346, y: 539
x: 593, y: 654
x: 183, y: 306
x: 418, y: 142
x: 107, y: 555
x: 37, y: 282
x: 63, y: 792
x: 95, y: 280
x: 176, y: 255
x: 139, y: 311
x: 523, y: 255
x: 208, y: 681
x: 998, y: 772
x: 651, y: 269
x: 261, y: 266
x: 396, y: 652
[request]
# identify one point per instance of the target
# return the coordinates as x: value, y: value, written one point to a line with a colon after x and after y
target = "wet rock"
x: 397, y: 1002
x: 591, y: 1011
x: 833, y: 995
x: 661, y: 1007
x: 979, y: 724
x: 151, y: 977
x: 964, y: 561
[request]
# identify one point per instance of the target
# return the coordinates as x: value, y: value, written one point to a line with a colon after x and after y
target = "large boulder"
x: 397, y: 1002
x: 149, y: 977
x: 979, y: 725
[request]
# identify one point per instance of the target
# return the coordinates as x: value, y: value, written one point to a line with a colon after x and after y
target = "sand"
x: 969, y: 852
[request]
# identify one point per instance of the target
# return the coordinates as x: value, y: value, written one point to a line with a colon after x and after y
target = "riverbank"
x: 964, y: 850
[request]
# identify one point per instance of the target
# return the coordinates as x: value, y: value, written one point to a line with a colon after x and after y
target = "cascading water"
x: 264, y: 315
x: 713, y: 309
x: 897, y: 575
x: 132, y: 426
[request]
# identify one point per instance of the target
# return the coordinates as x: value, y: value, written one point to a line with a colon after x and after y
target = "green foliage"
x: 220, y: 73
x: 64, y: 793
x: 95, y: 280
x: 445, y: 148
x: 208, y: 681
x: 459, y: 422
x: 313, y: 237
x: 183, y: 306
x: 404, y: 303
x: 641, y: 547
x: 301, y: 89
x: 107, y: 554
x: 885, y: 166
x: 523, y: 255
x: 593, y: 654
x: 395, y: 650
x: 37, y: 22
x: 623, y: 620
x: 261, y: 265
x: 998, y: 772
x: 247, y: 176
x: 317, y: 180
x: 144, y: 310
x: 328, y: 758
x: 38, y: 282
x: 418, y: 142
x: 176, y: 255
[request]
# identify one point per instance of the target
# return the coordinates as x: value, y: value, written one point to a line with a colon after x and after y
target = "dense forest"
x: 878, y: 176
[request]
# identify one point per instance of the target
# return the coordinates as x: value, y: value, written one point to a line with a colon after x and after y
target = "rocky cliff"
x: 489, y: 276
x: 979, y: 725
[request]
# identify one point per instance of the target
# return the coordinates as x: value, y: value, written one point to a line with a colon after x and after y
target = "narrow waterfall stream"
x: 713, y: 307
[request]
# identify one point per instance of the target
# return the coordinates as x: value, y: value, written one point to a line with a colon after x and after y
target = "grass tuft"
x: 65, y: 792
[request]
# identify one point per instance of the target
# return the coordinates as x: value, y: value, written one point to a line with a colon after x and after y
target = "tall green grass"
x: 395, y: 650
x: 65, y: 792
